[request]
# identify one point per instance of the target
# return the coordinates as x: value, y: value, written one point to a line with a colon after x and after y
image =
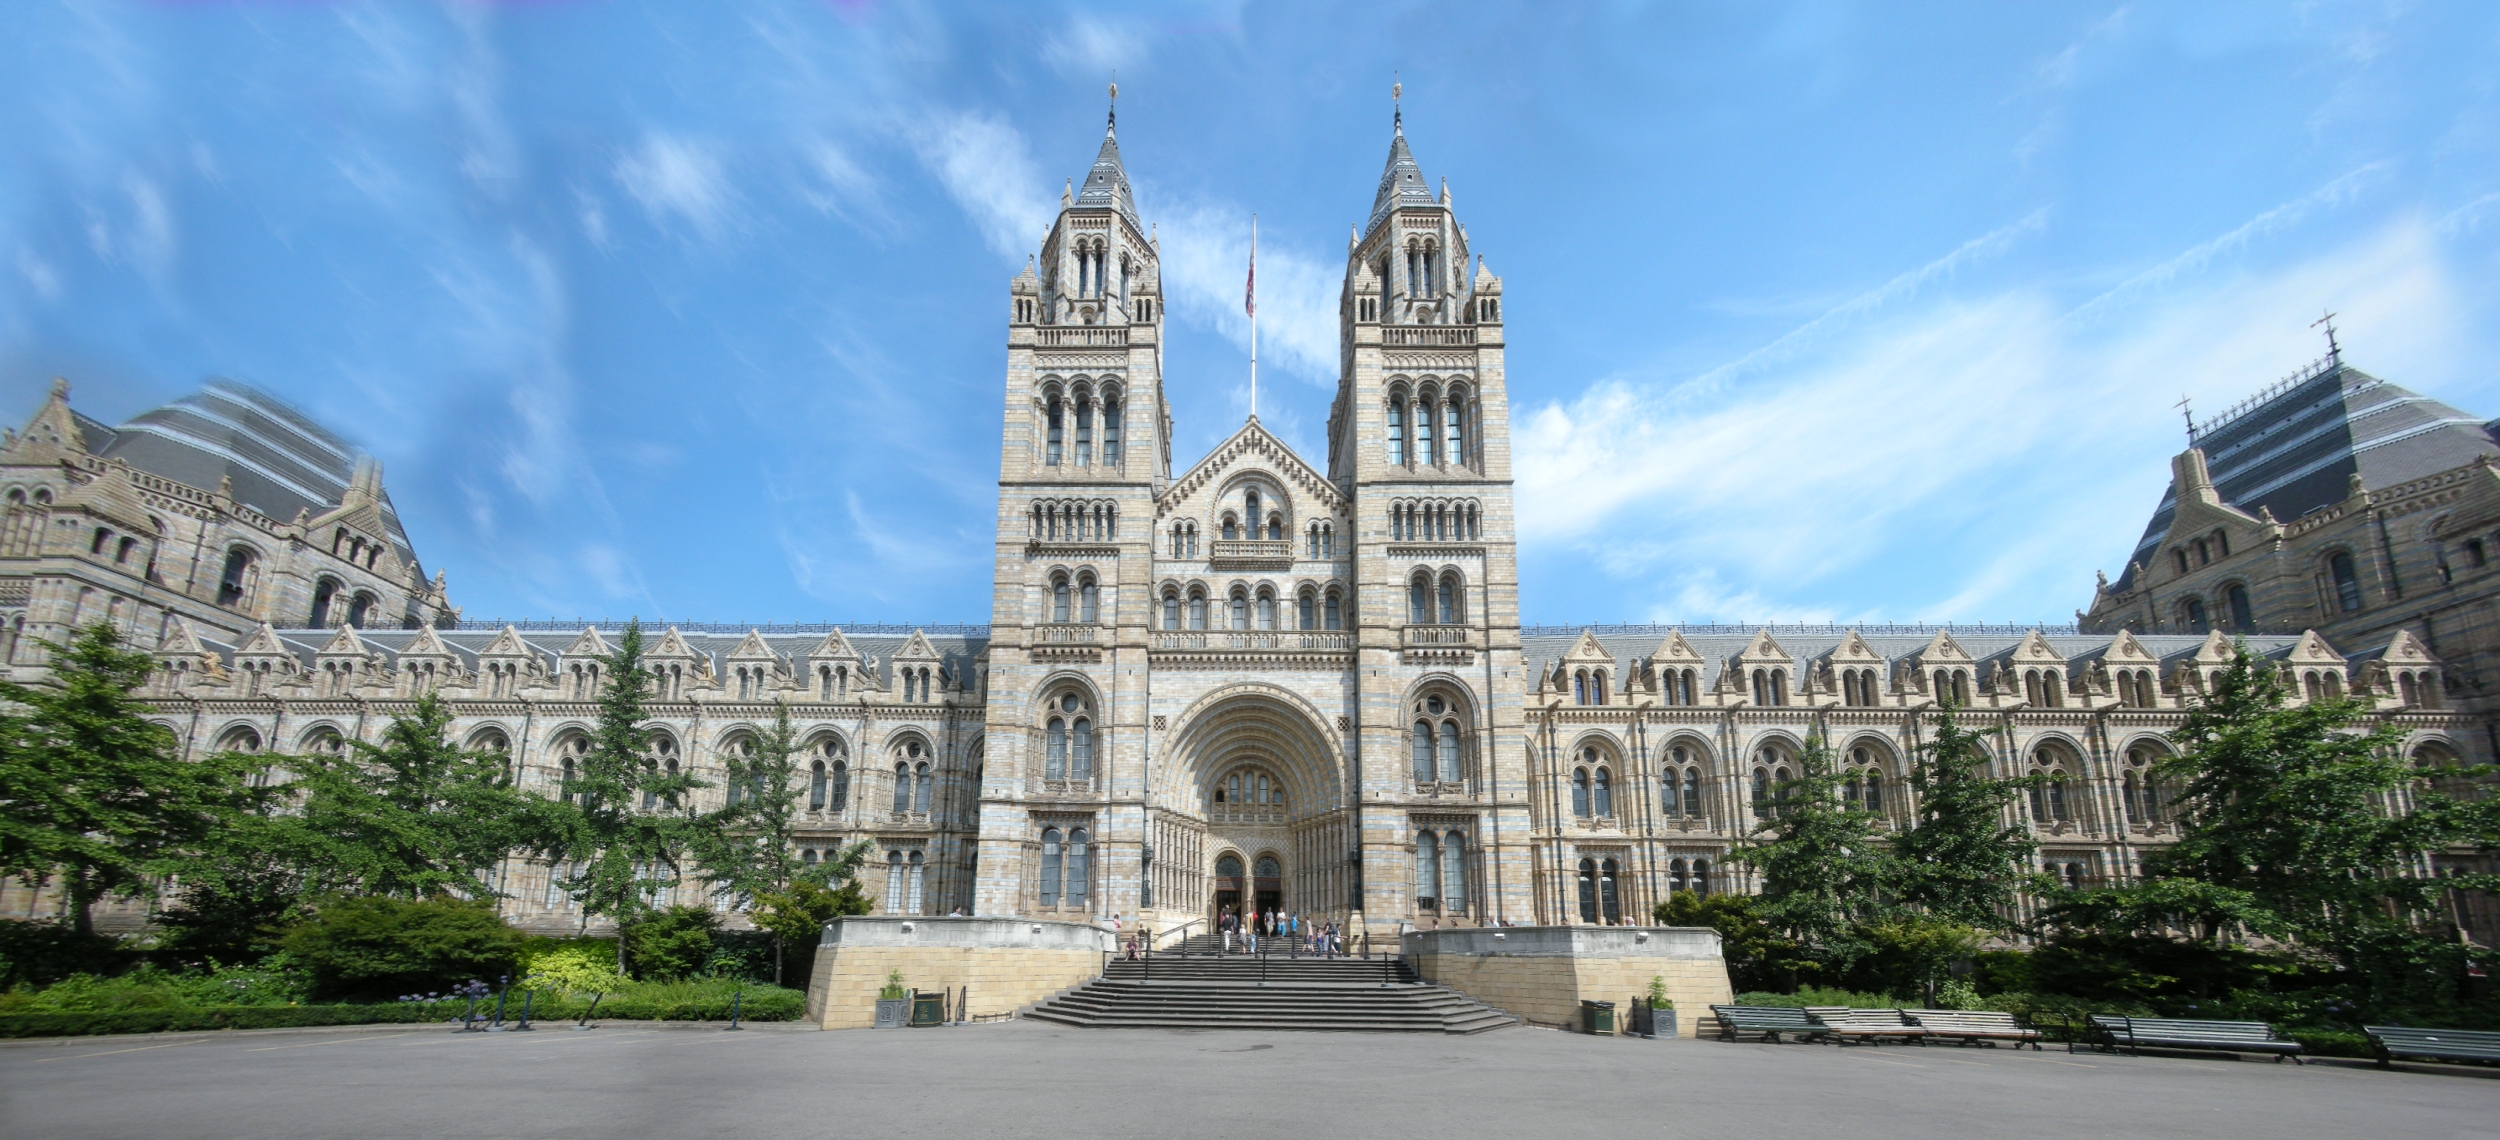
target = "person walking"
x: 1250, y: 933
x: 1224, y: 922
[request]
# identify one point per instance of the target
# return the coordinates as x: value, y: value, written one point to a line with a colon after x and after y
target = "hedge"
x: 761, y: 1003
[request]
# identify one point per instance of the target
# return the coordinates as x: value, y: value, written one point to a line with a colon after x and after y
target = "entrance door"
x: 1271, y: 885
x: 1227, y: 891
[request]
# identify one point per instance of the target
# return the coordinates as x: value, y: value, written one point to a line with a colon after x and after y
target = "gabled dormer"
x: 1762, y: 674
x: 508, y: 664
x: 182, y: 661
x: 426, y: 664
x: 1944, y: 672
x: 1676, y: 671
x: 1586, y: 674
x: 265, y: 662
x: 918, y: 670
x: 1854, y: 672
x: 834, y: 667
x: 345, y: 663
x: 674, y: 666
x: 753, y: 671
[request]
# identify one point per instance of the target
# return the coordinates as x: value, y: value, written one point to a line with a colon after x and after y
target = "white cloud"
x: 843, y: 187
x: 1090, y: 47
x: 1206, y: 261
x: 39, y: 274
x: 678, y: 177
x: 1968, y: 457
x: 986, y: 167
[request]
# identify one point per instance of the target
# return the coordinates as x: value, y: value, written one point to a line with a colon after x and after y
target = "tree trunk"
x: 81, y: 906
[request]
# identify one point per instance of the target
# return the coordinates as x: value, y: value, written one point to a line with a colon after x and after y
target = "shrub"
x: 586, y: 966
x: 378, y: 948
x: 37, y: 953
x: 82, y: 1023
x: 671, y: 943
x: 148, y: 988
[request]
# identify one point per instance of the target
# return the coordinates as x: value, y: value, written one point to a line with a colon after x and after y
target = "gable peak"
x: 587, y: 644
x: 506, y: 644
x: 834, y: 645
x: 752, y: 647
x: 1675, y: 648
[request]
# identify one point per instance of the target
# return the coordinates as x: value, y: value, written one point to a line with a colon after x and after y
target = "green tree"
x: 2286, y: 831
x: 797, y: 912
x: 1759, y: 957
x: 94, y: 797
x: 414, y: 815
x: 1966, y: 859
x: 755, y: 856
x: 629, y: 826
x: 1823, y: 870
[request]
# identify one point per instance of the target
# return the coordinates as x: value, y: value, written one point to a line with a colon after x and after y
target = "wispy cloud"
x: 1206, y: 261
x: 680, y: 178
x: 2343, y: 188
x: 1090, y: 47
x: 985, y: 166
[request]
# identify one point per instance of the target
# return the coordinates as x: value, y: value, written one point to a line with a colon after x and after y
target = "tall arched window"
x: 1692, y: 793
x: 1055, y: 750
x: 1081, y: 750
x: 1426, y: 449
x: 1588, y: 890
x: 1397, y: 431
x: 1059, y: 599
x: 1449, y: 752
x: 920, y: 787
x: 1610, y: 900
x: 1051, y: 420
x: 1084, y: 430
x: 1580, y: 793
x: 1453, y: 873
x: 230, y: 582
x: 902, y: 787
x: 1605, y: 795
x: 1427, y: 871
x: 1171, y: 609
x: 1446, y: 599
x: 1089, y: 600
x: 2235, y: 599
x: 1051, y: 868
x: 1110, y: 431
x: 1423, y: 752
x: 1306, y: 611
x: 1240, y: 609
x: 1197, y: 610
x: 322, y: 594
x: 1267, y: 610
x: 2347, y: 581
x: 1335, y: 612
x: 1080, y: 867
x: 1419, y: 601
x: 1454, y: 433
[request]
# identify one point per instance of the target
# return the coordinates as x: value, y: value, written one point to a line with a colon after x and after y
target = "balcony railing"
x: 1270, y: 640
x: 1438, y: 637
x: 1084, y: 336
x: 1068, y: 633
x: 1428, y: 335
x: 1252, y: 553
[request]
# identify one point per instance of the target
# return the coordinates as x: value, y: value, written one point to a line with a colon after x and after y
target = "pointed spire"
x: 1401, y: 183
x: 1107, y: 183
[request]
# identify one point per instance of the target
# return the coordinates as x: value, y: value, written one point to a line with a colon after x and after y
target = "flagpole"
x: 1254, y: 317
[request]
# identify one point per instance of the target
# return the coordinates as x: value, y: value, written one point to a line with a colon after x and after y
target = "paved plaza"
x: 1026, y: 1077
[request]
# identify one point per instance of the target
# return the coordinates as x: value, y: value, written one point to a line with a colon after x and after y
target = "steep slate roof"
x: 2294, y: 449
x: 1542, y: 646
x: 279, y: 461
x: 1401, y: 183
x: 1107, y: 183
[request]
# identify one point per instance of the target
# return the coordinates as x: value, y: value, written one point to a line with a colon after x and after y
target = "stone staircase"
x: 1226, y: 992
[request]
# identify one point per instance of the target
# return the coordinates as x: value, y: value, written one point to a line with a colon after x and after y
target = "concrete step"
x: 1324, y: 994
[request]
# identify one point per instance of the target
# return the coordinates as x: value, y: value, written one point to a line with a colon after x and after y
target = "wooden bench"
x: 1768, y: 1020
x: 2393, y: 1041
x: 1971, y: 1027
x: 2132, y: 1033
x: 1869, y: 1025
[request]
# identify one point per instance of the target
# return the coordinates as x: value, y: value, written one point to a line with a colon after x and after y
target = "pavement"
x: 1026, y: 1078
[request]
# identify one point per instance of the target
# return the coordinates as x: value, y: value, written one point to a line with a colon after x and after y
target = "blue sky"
x: 695, y: 311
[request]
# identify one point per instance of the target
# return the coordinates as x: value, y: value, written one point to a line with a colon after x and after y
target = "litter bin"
x: 1597, y: 1017
x: 927, y: 1009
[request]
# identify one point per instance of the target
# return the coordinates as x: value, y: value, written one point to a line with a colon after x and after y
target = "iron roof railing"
x: 863, y: 629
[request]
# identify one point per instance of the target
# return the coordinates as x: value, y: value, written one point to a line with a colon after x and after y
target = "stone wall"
x: 1543, y: 973
x: 1008, y: 963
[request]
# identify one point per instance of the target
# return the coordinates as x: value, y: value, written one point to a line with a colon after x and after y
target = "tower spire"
x: 1111, y: 125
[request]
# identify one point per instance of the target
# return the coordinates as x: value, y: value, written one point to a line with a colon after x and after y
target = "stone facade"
x: 1262, y: 681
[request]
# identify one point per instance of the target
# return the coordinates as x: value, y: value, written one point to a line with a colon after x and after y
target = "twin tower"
x: 1258, y: 683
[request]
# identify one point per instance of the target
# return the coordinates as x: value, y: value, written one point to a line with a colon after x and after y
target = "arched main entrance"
x: 1260, y: 777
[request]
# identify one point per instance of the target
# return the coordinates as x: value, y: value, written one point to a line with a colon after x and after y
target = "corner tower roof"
x: 1401, y: 182
x: 1106, y: 185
